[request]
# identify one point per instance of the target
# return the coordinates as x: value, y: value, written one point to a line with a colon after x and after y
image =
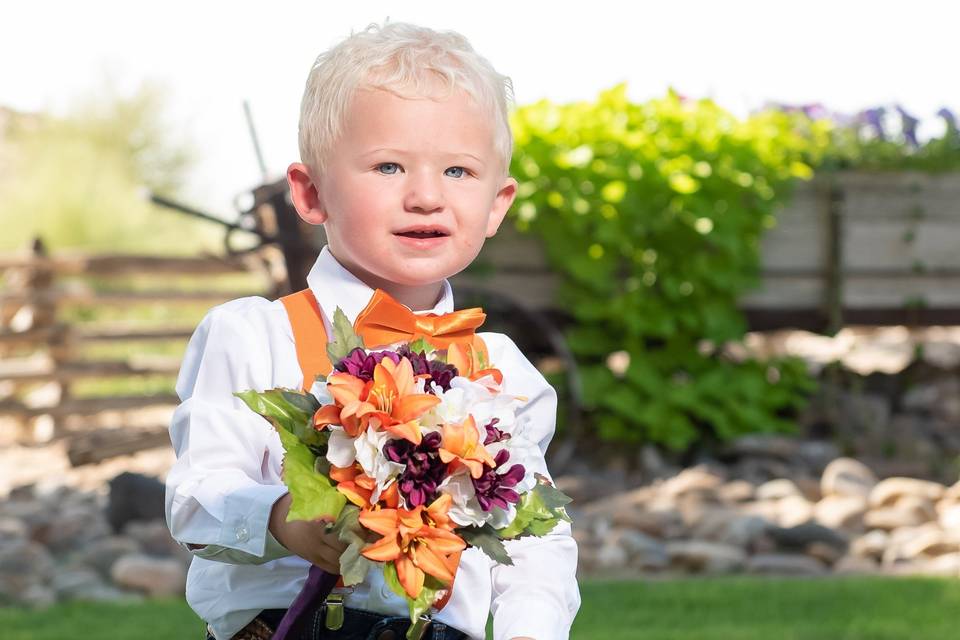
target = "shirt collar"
x: 334, y: 286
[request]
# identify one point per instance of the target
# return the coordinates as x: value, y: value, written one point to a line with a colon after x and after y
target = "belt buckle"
x: 333, y: 608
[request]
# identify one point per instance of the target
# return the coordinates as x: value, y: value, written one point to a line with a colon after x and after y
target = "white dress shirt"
x: 226, y: 479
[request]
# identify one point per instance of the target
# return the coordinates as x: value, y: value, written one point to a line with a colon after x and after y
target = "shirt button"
x: 242, y: 534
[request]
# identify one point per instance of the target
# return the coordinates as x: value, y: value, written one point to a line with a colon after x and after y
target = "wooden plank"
x: 96, y: 446
x: 124, y: 264
x: 39, y: 372
x: 89, y: 406
x: 118, y: 333
x: 87, y: 297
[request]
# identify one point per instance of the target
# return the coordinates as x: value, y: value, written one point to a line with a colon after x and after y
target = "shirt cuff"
x: 531, y: 619
x: 246, y: 516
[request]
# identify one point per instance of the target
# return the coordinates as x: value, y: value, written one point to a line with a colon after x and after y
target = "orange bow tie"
x: 385, y: 321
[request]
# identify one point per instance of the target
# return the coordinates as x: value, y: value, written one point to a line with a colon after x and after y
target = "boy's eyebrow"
x: 401, y: 152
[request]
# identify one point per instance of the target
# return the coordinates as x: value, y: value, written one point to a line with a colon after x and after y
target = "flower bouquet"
x: 412, y: 453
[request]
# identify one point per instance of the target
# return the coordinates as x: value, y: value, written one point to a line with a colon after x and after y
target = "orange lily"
x: 418, y: 541
x: 388, y: 401
x: 470, y: 362
x: 358, y: 487
x: 461, y: 446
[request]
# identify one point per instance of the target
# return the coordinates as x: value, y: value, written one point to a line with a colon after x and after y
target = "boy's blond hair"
x: 408, y: 60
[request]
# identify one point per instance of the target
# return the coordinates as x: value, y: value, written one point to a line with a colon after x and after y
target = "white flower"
x: 465, y: 510
x: 340, y: 449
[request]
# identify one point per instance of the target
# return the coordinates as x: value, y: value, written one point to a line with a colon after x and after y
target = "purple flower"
x: 493, y: 433
x: 949, y: 118
x: 909, y: 126
x: 360, y: 364
x: 440, y: 372
x: 495, y: 489
x: 424, y: 470
x: 874, y: 119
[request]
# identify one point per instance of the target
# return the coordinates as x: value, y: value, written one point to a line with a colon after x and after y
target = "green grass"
x: 701, y: 609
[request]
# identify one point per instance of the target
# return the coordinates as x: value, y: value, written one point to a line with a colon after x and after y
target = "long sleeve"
x: 224, y: 483
x: 537, y: 596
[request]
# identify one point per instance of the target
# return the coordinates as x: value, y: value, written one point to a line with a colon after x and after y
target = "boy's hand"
x: 308, y: 539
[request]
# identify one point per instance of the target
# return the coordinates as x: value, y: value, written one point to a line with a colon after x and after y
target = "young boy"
x: 406, y: 148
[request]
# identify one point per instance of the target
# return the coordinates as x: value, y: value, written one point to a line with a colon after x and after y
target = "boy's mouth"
x: 423, y: 232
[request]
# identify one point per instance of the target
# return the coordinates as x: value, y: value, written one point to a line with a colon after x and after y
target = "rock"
x: 103, y: 553
x: 777, y: 489
x: 611, y: 556
x: 155, y: 576
x: 949, y: 516
x: 71, y: 584
x: 700, y: 556
x: 12, y: 528
x: 38, y: 596
x: 817, y: 454
x: 25, y: 559
x: 841, y: 512
x: 134, y: 496
x: 153, y: 537
x: 736, y: 491
x: 855, y: 565
x: 802, y: 536
x: 889, y: 490
x: 654, y: 523
x: 894, y: 517
x: 825, y: 553
x: 871, y: 544
x: 743, y: 530
x: 644, y: 553
x: 794, y: 510
x: 930, y: 543
x: 699, y: 478
x: 75, y: 526
x: 847, y: 477
x: 785, y: 564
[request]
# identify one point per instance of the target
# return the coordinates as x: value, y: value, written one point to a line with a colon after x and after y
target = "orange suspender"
x: 309, y: 335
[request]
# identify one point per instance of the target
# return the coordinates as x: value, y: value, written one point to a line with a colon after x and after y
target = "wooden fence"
x: 849, y: 248
x: 44, y: 348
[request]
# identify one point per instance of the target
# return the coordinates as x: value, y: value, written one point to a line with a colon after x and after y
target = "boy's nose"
x: 424, y: 195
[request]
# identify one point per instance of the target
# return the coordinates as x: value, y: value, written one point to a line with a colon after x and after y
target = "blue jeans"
x: 360, y: 625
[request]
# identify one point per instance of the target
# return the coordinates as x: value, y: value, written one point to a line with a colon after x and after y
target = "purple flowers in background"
x: 495, y: 489
x: 360, y: 364
x: 424, y: 471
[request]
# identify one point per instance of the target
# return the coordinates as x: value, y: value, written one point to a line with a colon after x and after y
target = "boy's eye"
x: 455, y: 172
x: 388, y: 168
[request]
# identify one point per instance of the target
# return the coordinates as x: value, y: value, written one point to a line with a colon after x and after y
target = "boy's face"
x: 411, y: 189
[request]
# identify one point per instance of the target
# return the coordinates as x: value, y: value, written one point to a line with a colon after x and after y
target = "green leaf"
x: 313, y: 496
x: 427, y: 598
x: 392, y: 580
x: 553, y: 498
x: 538, y: 511
x: 487, y: 540
x: 353, y: 566
x: 344, y: 339
x: 288, y: 411
x: 420, y: 345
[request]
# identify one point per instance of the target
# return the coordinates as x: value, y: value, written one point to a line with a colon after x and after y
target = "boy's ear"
x: 501, y: 204
x: 304, y: 194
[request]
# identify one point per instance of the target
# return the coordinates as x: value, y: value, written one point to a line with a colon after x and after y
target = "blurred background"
x: 734, y: 254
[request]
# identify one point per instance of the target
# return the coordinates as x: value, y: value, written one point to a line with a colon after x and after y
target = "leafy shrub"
x: 652, y: 214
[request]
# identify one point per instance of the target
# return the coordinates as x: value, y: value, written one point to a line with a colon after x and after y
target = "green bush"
x: 652, y: 214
